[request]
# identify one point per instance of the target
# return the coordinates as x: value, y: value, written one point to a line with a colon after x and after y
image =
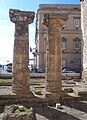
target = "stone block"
x: 11, y: 114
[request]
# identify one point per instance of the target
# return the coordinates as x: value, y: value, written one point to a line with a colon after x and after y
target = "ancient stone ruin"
x: 84, y: 41
x: 14, y: 113
x: 54, y: 23
x: 21, y: 77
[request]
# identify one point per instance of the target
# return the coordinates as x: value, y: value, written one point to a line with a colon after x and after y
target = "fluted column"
x: 84, y: 38
x: 21, y: 77
x: 54, y: 22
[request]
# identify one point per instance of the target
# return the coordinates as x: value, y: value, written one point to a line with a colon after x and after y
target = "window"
x: 77, y: 45
x: 77, y: 63
x: 63, y: 43
x: 76, y: 22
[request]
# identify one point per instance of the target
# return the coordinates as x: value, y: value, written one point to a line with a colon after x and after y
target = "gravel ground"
x: 70, y: 111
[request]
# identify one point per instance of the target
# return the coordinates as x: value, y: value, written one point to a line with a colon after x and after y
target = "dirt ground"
x: 69, y: 111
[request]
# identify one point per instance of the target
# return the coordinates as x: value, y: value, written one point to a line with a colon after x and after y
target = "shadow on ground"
x: 78, y: 105
x: 71, y: 110
x: 50, y: 113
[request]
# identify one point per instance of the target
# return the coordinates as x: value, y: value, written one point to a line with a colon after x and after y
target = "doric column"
x: 54, y: 22
x: 21, y: 77
x: 84, y: 37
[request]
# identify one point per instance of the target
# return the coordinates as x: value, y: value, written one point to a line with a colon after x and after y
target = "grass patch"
x: 25, y: 109
x: 5, y: 81
x: 83, y: 101
x: 38, y: 90
x: 35, y: 81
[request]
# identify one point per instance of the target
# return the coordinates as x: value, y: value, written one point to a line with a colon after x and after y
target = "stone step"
x: 71, y: 96
x: 80, y: 91
x: 15, y: 99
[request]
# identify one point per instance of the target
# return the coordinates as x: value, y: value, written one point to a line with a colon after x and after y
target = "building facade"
x: 70, y: 35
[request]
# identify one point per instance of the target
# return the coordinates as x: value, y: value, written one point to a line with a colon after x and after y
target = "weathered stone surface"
x: 84, y: 35
x: 54, y: 22
x: 9, y: 114
x: 20, y: 84
x: 18, y: 16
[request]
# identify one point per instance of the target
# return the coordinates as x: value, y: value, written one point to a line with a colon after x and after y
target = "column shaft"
x: 84, y: 40
x: 53, y: 55
x: 53, y: 66
x: 21, y: 75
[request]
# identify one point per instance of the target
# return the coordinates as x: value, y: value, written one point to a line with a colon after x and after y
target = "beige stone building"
x: 70, y: 38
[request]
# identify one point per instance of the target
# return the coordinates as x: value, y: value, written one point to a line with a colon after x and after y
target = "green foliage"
x: 38, y: 89
x: 24, y: 110
x: 5, y: 80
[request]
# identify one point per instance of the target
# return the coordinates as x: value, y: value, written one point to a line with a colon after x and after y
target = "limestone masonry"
x: 54, y: 22
x: 84, y: 36
x: 20, y: 84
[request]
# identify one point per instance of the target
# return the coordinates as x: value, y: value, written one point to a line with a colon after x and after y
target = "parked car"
x: 9, y: 67
x: 68, y: 70
x: 70, y: 73
x: 33, y: 70
x: 41, y: 71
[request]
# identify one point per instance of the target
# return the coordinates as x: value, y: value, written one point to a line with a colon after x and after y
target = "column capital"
x: 55, y: 19
x: 17, y: 16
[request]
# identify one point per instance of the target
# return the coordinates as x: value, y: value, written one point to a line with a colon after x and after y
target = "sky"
x: 7, y: 27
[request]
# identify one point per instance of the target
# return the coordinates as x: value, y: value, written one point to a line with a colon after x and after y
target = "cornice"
x: 58, y: 9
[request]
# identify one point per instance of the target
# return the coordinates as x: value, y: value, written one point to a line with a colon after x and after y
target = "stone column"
x: 21, y: 77
x: 84, y: 37
x: 54, y: 22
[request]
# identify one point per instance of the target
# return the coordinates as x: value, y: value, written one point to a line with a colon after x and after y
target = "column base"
x: 26, y: 94
x: 55, y: 97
